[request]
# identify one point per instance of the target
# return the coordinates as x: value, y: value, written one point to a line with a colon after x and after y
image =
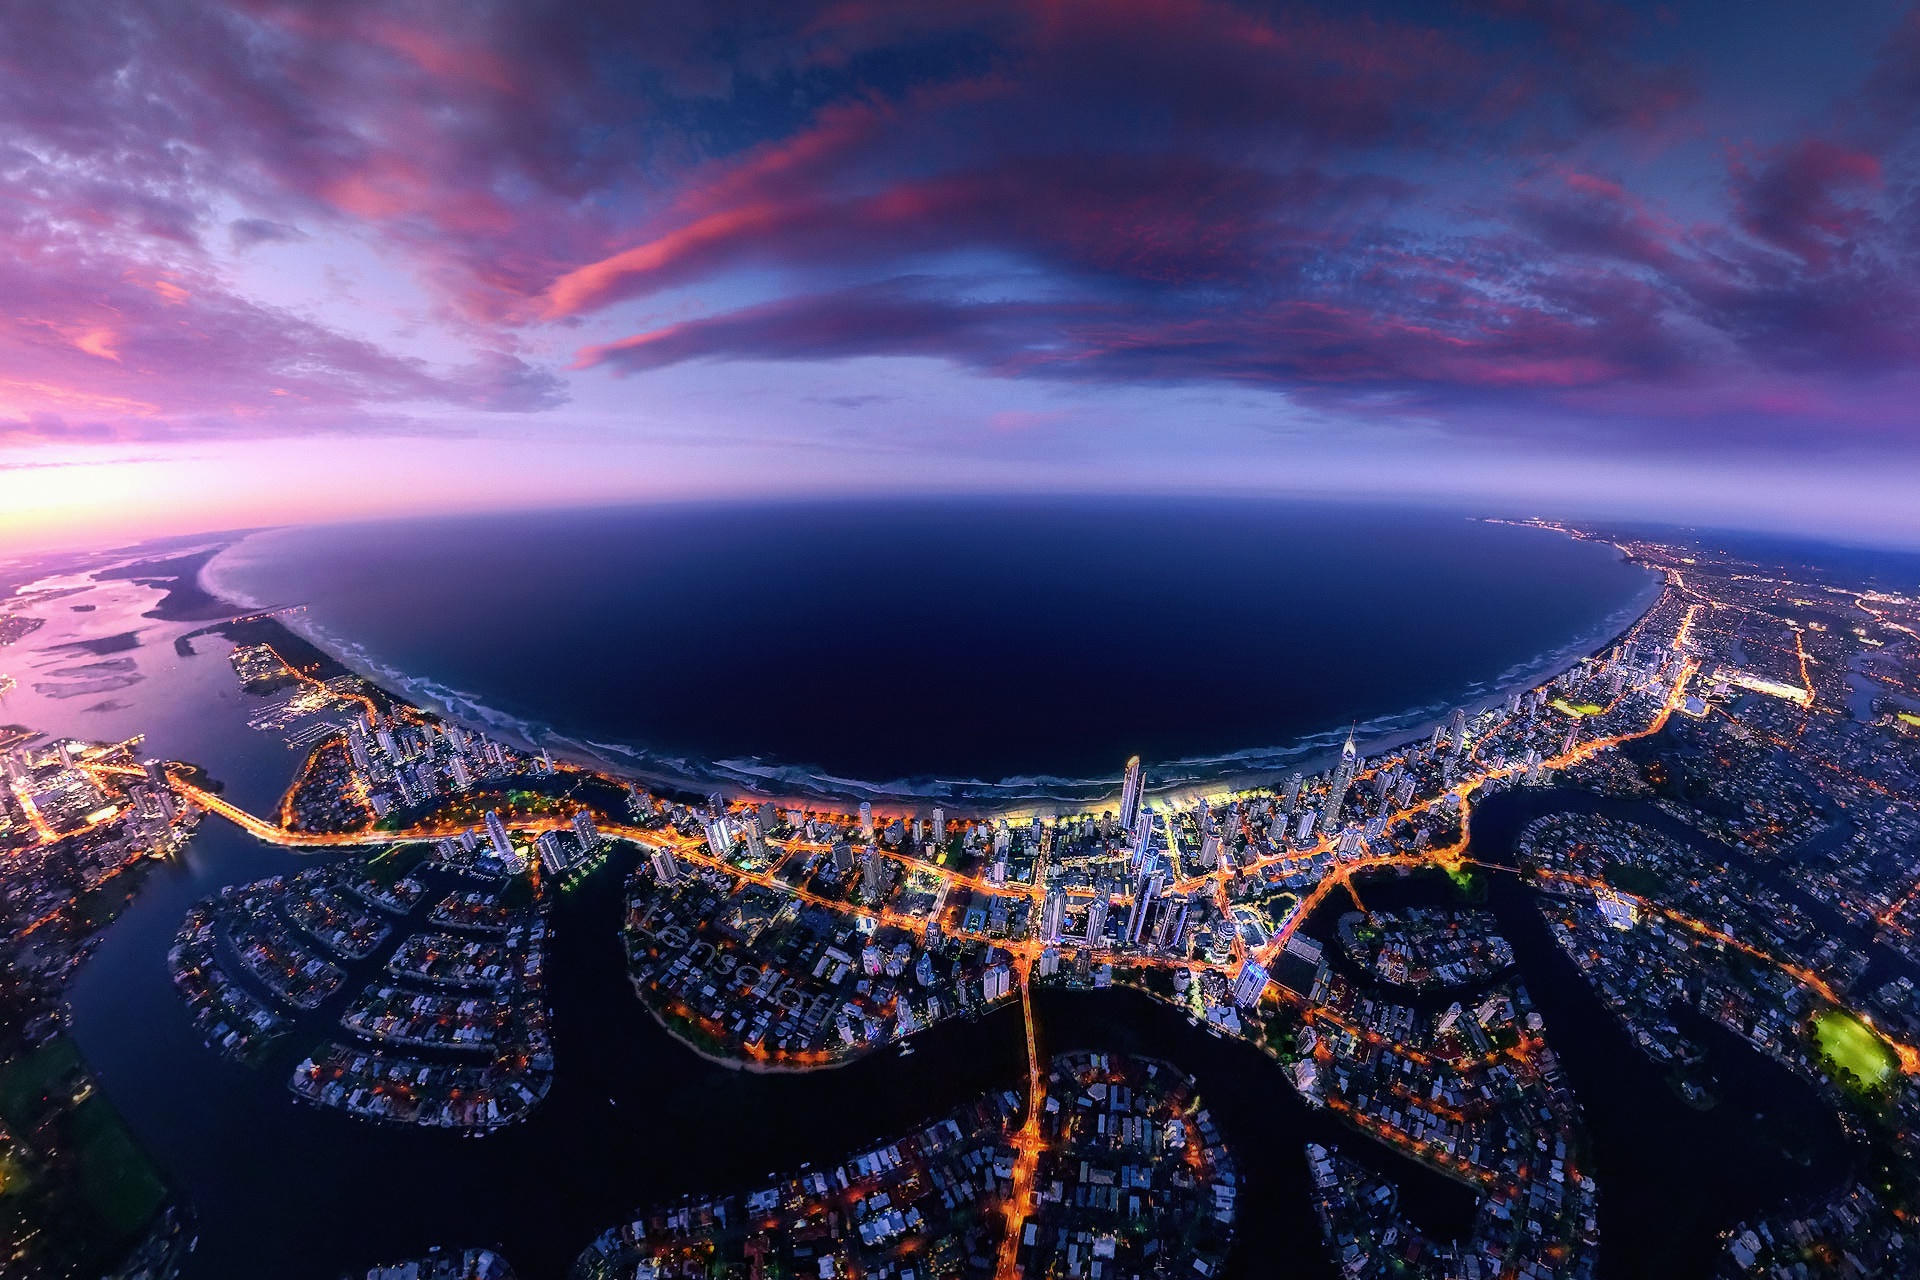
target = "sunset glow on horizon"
x: 273, y: 262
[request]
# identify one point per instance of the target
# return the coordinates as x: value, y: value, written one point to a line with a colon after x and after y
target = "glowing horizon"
x: 274, y: 264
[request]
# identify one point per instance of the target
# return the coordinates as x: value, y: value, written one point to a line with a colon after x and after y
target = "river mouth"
x: 996, y: 653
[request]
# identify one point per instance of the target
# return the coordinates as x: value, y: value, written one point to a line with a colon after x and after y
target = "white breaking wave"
x: 757, y: 776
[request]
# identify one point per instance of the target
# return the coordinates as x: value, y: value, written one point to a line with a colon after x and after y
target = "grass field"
x: 1636, y: 879
x: 28, y: 1078
x: 105, y: 1190
x: 119, y: 1184
x: 1848, y: 1042
x: 389, y: 866
x: 1576, y: 709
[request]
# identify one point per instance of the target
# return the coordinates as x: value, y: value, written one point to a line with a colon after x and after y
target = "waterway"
x: 635, y: 1118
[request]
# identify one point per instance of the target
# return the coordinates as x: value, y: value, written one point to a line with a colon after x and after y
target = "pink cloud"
x: 1452, y: 212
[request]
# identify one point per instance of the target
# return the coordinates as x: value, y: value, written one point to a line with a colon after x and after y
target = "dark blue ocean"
x: 637, y: 1119
x: 1002, y: 651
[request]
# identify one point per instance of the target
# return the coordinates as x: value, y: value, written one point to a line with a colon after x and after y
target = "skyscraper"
x: 502, y: 842
x: 552, y: 849
x: 878, y: 877
x: 1137, y: 913
x: 1096, y: 918
x: 665, y: 869
x: 1337, y: 791
x: 1142, y: 835
x: 1130, y: 787
x: 866, y: 819
x: 584, y: 831
x: 1250, y: 985
x: 156, y: 773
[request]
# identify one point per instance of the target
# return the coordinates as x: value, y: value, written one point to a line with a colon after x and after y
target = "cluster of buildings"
x: 1766, y: 709
x: 447, y: 1025
x: 79, y: 824
x: 1130, y: 1179
x: 1426, y: 946
x: 922, y: 1207
x: 1474, y: 1092
x: 748, y: 970
x: 460, y: 1264
x: 1781, y: 909
x: 1369, y: 1237
x: 1850, y: 1233
x: 407, y: 762
x: 393, y: 767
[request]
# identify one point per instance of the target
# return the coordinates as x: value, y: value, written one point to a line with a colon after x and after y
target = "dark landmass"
x: 82, y: 688
x: 13, y: 626
x: 79, y: 1179
x: 83, y: 608
x: 297, y: 651
x: 104, y: 667
x: 99, y: 647
x: 109, y: 704
x: 186, y: 600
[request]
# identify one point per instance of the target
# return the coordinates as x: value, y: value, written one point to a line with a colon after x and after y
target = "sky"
x: 264, y: 263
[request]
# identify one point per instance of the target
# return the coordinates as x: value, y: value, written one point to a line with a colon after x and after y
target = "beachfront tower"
x: 1342, y: 779
x: 1130, y: 788
x: 502, y: 842
x: 585, y: 832
x: 665, y: 869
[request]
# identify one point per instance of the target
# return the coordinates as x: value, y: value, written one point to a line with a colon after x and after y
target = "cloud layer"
x: 1531, y: 220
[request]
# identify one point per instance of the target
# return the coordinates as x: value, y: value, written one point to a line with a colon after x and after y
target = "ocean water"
x: 998, y: 652
x: 636, y: 1119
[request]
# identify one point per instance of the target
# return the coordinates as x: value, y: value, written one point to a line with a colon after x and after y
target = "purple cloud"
x: 1520, y: 216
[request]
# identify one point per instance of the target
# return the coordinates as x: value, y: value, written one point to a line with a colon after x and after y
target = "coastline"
x: 1180, y: 781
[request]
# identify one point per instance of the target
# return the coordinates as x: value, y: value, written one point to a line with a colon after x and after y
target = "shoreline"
x: 1038, y: 796
x: 745, y: 1064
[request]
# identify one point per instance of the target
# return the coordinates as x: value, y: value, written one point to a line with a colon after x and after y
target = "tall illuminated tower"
x: 1130, y: 788
x: 1342, y: 779
x: 497, y: 833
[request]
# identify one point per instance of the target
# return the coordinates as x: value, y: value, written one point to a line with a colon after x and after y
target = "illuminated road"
x: 1027, y: 1143
x: 1339, y: 877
